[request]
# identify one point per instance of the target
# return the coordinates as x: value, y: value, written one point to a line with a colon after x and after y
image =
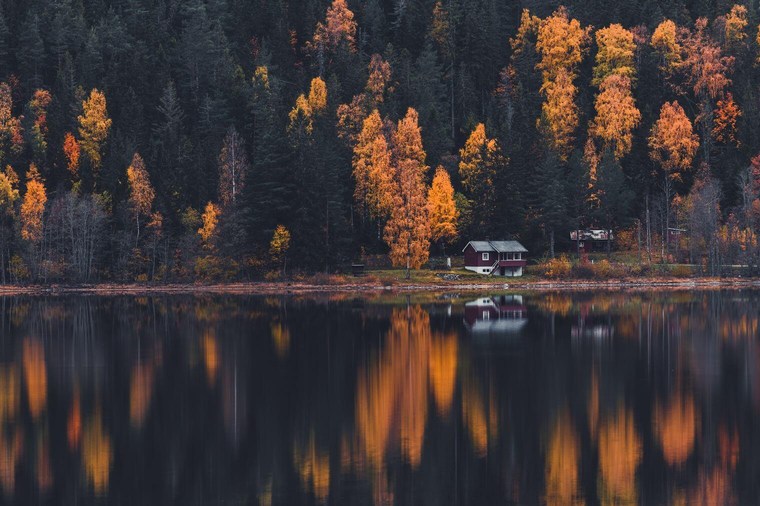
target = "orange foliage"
x: 372, y: 168
x: 707, y: 68
x: 71, y: 150
x: 407, y: 232
x: 616, y: 115
x: 35, y: 376
x: 379, y: 77
x: 672, y: 141
x: 339, y: 28
x: 141, y: 192
x: 10, y: 392
x: 562, y: 43
x: 559, y: 112
x: 478, y: 161
x: 726, y: 114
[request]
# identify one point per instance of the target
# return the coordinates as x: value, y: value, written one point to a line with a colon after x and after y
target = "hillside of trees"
x: 222, y: 139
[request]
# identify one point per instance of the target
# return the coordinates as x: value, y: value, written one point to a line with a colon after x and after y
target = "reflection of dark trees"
x: 204, y: 400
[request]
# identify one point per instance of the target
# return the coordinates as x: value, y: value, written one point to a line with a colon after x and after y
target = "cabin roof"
x: 498, y: 246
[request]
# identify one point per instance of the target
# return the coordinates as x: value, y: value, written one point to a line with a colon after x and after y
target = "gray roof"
x: 498, y: 246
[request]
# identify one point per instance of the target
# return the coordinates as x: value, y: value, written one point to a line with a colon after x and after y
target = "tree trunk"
x: 551, y: 242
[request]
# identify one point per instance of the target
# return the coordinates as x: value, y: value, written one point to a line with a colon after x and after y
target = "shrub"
x: 557, y: 267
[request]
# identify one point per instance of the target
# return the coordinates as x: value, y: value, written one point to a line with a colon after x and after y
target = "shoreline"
x: 305, y: 287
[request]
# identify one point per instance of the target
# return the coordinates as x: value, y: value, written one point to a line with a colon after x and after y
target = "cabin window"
x: 486, y: 315
x: 518, y: 256
x: 485, y: 256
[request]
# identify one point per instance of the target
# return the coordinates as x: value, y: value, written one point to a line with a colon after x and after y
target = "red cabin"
x: 498, y: 258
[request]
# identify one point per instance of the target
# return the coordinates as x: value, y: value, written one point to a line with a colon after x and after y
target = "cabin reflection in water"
x: 498, y: 314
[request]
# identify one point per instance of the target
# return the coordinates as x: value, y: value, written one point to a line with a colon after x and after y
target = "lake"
x: 429, y: 399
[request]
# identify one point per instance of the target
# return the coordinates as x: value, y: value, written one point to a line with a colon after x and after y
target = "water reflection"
x: 572, y: 399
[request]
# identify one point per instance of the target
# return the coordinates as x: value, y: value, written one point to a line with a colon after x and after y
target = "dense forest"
x: 228, y: 139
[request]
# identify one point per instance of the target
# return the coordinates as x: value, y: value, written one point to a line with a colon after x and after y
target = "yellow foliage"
x: 672, y: 141
x: 210, y: 220
x: 665, y: 42
x: 616, y: 115
x: 33, y: 206
x: 478, y: 161
x: 559, y: 113
x: 526, y: 31
x: 141, y: 192
x: 562, y: 43
x: 300, y: 116
x: 736, y: 24
x: 615, y: 54
x: 280, y: 243
x: 317, y: 95
x: 373, y: 172
x: 442, y: 209
x: 94, y: 125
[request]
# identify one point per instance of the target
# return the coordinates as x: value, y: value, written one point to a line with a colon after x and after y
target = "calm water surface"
x: 584, y: 398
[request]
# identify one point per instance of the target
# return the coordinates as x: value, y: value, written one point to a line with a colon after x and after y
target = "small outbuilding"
x: 497, y: 258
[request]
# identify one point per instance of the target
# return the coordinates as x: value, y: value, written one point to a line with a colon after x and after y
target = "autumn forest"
x: 221, y: 139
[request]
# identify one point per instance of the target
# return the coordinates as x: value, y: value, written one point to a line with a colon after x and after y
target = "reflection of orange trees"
x: 10, y: 391
x: 557, y: 303
x: 313, y: 468
x: 140, y: 392
x: 210, y: 349
x: 280, y: 339
x: 11, y: 449
x: 562, y: 464
x: 738, y: 328
x: 44, y: 469
x: 619, y: 456
x: 74, y: 422
x: 675, y: 427
x: 35, y: 376
x: 392, y: 390
x: 442, y: 368
x: 592, y: 408
x: 96, y: 453
x: 714, y: 486
x: 479, y: 419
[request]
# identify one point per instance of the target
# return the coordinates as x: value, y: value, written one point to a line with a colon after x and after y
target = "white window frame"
x: 485, y: 256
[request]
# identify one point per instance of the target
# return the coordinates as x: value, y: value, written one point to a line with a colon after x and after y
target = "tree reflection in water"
x: 584, y: 398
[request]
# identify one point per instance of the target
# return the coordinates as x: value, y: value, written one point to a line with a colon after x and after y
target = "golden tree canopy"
x: 210, y: 220
x: 559, y: 113
x: 442, y: 209
x: 339, y: 27
x: 616, y: 115
x: 735, y: 25
x: 615, y: 53
x: 280, y: 243
x: 71, y: 150
x: 672, y: 141
x: 561, y: 43
x: 317, y: 95
x: 141, y: 192
x: 478, y: 161
x: 33, y: 206
x: 725, y: 117
x: 665, y: 41
x: 94, y: 125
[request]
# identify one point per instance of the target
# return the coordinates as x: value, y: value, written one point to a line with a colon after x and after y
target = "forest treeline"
x: 186, y: 139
